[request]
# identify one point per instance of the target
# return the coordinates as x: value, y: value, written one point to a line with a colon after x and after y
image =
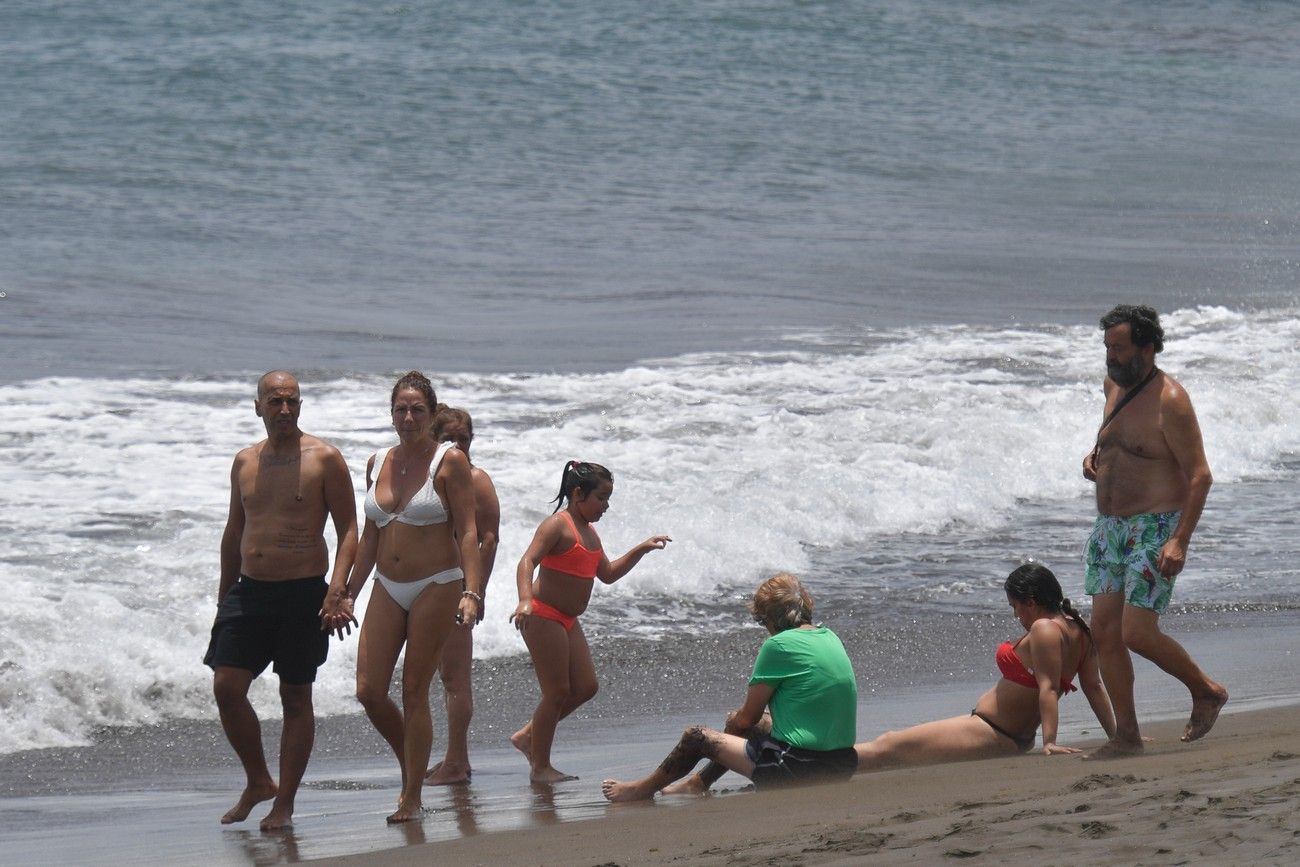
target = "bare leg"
x: 455, y: 666
x: 431, y: 618
x: 1108, y: 615
x: 696, y: 743
x: 382, y: 636
x: 1142, y: 635
x: 958, y: 739
x: 297, y: 736
x: 565, y: 674
x: 701, y: 781
x: 244, y: 731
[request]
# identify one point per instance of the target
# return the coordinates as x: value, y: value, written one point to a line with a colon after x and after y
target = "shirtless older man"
x: 1152, y: 479
x: 272, y: 591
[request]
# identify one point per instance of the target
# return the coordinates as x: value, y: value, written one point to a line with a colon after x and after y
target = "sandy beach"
x: 152, y: 795
x: 1229, y: 799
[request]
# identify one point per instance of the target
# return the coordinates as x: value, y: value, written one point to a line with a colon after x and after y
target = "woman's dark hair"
x: 418, y: 381
x: 1143, y: 324
x: 582, y: 475
x: 1034, y: 582
x: 444, y: 415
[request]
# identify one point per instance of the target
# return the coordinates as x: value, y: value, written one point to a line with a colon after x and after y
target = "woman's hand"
x: 1058, y: 750
x: 336, y: 615
x: 467, y: 613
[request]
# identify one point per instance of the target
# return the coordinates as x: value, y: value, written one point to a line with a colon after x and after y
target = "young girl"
x: 568, y: 550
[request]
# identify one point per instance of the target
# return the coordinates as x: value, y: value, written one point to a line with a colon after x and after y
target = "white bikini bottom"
x: 404, y: 593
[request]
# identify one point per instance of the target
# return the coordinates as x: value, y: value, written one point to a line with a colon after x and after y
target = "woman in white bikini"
x: 420, y: 533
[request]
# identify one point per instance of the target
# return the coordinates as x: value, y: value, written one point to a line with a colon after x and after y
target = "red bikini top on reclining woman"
x: 1014, y: 670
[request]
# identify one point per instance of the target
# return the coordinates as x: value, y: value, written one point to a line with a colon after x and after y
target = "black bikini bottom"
x: 1025, y: 744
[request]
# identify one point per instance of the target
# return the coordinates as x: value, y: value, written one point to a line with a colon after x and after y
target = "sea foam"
x: 117, y: 489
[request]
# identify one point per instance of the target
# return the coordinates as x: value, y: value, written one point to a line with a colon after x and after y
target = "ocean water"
x: 820, y: 285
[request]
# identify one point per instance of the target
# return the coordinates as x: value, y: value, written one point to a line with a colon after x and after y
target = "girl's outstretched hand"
x: 1058, y: 750
x: 656, y: 543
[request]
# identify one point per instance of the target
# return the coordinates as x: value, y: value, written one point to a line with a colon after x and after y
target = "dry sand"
x: 1232, y: 798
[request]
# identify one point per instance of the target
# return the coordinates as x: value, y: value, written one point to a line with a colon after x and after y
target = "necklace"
x: 402, y: 468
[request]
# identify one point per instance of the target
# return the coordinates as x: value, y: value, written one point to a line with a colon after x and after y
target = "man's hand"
x: 337, y: 616
x: 1173, y: 556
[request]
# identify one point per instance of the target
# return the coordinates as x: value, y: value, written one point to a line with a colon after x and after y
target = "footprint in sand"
x: 1104, y: 781
x: 1097, y: 830
x: 853, y: 843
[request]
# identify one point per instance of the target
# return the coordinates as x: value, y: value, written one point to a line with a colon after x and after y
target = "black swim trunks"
x: 776, y: 763
x: 264, y: 622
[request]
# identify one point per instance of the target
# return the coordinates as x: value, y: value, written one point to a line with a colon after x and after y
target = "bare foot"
x: 620, y: 792
x: 692, y: 785
x: 1205, y: 712
x: 549, y: 775
x: 251, y: 797
x: 279, y: 819
x: 522, y: 740
x: 406, y: 812
x: 1115, y: 750
x: 443, y: 774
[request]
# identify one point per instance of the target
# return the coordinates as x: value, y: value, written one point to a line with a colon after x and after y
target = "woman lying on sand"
x: 1037, y: 669
x: 803, y: 673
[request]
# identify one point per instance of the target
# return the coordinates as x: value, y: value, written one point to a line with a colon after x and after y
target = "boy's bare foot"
x: 406, y: 812
x: 1115, y: 750
x: 522, y: 740
x: 444, y: 774
x: 278, y: 819
x: 692, y: 785
x: 1205, y: 712
x: 250, y: 798
x: 549, y: 776
x: 618, y: 792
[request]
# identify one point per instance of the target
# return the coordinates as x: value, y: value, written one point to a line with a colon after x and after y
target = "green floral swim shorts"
x: 1121, y: 556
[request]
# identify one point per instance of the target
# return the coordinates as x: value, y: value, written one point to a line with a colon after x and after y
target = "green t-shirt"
x: 815, y: 705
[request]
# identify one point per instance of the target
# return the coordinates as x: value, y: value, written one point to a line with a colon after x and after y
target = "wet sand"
x: 1229, y: 799
x: 153, y: 795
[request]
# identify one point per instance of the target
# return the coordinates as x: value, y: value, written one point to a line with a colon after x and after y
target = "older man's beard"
x: 1126, y: 375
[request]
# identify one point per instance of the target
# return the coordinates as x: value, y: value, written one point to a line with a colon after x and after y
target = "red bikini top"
x: 578, y: 561
x: 1014, y: 670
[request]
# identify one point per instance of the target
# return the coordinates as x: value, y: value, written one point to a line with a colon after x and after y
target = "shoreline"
x: 153, y: 795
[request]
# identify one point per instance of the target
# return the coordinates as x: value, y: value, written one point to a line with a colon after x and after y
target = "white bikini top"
x: 423, y: 509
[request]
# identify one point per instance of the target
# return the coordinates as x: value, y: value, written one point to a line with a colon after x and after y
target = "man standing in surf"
x: 1152, y: 479
x: 272, y: 591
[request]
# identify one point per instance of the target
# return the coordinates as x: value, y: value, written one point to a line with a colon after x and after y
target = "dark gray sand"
x: 154, y: 795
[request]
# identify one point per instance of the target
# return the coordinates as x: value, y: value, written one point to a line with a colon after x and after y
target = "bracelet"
x: 472, y: 595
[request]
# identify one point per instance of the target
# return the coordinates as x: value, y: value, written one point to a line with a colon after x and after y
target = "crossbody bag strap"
x: 1123, y: 402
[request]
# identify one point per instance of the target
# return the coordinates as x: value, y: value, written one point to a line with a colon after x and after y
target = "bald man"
x: 274, y: 559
